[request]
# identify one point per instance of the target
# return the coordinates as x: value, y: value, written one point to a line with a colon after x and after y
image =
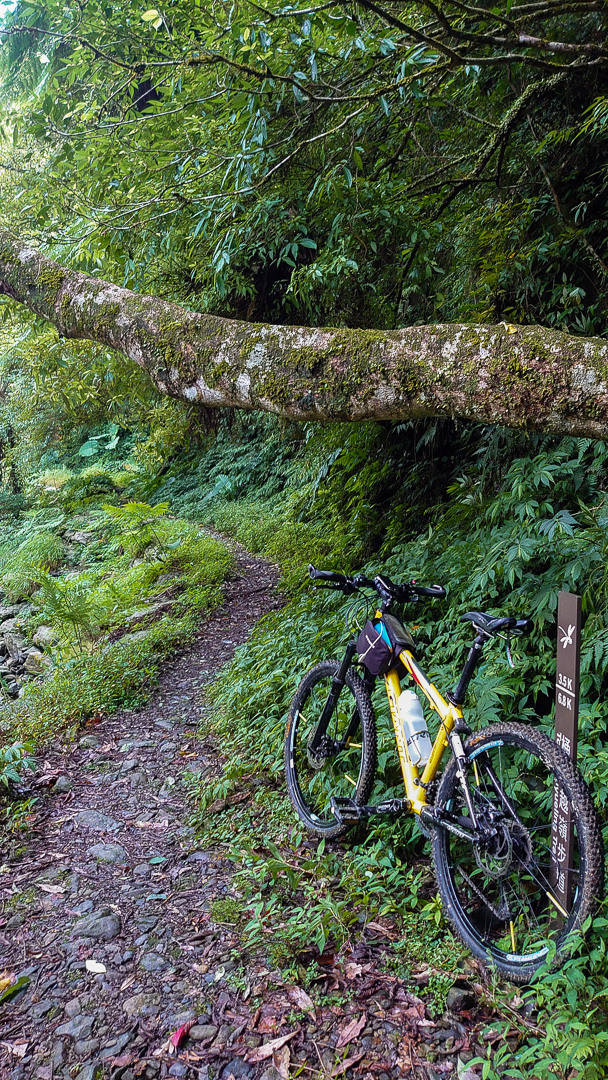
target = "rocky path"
x: 106, y: 916
x: 109, y: 920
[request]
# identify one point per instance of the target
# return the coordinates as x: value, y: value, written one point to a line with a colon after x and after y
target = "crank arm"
x: 346, y: 811
x: 443, y: 820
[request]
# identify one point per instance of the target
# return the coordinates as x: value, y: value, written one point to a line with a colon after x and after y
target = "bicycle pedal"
x: 391, y: 808
x: 345, y: 811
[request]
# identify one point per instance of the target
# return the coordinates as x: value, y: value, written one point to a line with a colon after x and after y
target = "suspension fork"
x: 332, y: 699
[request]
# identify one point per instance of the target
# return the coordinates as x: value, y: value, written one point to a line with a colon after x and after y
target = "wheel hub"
x: 325, y: 750
x: 508, y: 843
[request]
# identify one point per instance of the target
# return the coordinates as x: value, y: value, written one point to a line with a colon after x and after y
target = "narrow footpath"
x: 106, y: 919
x: 111, y: 879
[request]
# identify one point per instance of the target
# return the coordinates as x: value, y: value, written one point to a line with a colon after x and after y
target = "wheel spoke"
x: 500, y: 892
x: 343, y: 760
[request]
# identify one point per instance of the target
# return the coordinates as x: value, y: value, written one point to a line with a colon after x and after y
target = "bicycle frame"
x: 449, y: 714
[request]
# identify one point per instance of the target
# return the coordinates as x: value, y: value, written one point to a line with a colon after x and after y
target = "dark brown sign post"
x: 566, y: 736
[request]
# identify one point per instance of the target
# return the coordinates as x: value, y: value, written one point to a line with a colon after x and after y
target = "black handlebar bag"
x: 374, y: 650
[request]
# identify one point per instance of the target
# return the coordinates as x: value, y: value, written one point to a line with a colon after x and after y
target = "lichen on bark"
x: 527, y: 377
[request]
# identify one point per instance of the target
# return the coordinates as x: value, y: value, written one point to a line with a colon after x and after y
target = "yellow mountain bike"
x: 488, y: 814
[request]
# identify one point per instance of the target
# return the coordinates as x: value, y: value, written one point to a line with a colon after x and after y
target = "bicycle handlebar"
x: 387, y: 589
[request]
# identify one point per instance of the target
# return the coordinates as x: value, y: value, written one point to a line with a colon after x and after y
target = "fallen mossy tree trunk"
x: 518, y: 376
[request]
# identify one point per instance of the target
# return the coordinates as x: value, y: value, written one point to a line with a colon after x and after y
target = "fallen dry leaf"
x: 300, y: 999
x: 55, y: 890
x: 16, y: 1048
x: 342, y: 1066
x: 352, y: 970
x: 280, y: 1060
x: 350, y: 1031
x: 268, y: 1049
x: 164, y: 824
x: 5, y: 980
x: 120, y: 1062
x: 378, y: 927
x: 178, y: 1036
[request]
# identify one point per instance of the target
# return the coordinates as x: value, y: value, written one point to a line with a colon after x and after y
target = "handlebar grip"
x: 431, y: 590
x: 326, y: 575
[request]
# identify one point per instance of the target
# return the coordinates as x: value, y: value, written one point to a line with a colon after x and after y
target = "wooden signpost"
x: 566, y: 736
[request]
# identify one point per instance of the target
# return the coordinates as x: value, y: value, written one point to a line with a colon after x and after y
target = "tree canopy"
x: 371, y: 167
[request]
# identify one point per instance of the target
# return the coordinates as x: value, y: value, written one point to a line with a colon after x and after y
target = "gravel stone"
x: 142, y: 1005
x: 45, y: 636
x: 237, y: 1068
x: 459, y: 998
x: 88, y: 1072
x: 62, y: 785
x: 109, y: 853
x: 153, y: 962
x: 203, y: 1032
x: 94, y: 819
x: 116, y: 1046
x: 103, y: 925
x: 88, y: 742
x: 78, y: 1028
x: 41, y: 1008
x: 86, y: 1047
x: 58, y: 1054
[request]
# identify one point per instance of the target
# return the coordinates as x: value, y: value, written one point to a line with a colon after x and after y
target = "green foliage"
x: 505, y: 524
x: 88, y: 685
x: 71, y: 606
x: 20, y: 567
x: 14, y: 759
x: 325, y: 167
x: 139, y: 526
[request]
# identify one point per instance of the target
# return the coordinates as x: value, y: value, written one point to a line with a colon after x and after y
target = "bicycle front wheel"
x: 345, y: 762
x: 503, y: 897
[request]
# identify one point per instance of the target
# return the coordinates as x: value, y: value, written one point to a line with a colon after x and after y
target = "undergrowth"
x: 502, y: 520
x: 504, y: 526
x: 120, y: 586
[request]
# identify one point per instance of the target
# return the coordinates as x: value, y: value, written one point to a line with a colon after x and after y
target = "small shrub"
x: 20, y: 568
x: 14, y: 758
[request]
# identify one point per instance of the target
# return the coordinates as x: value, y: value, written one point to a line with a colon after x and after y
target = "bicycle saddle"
x: 492, y: 624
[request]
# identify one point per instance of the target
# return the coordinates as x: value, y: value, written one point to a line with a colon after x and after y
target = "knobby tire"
x: 490, y: 911
x: 348, y: 773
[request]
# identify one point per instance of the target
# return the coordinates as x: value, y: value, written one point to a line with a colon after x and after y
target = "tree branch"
x: 526, y: 377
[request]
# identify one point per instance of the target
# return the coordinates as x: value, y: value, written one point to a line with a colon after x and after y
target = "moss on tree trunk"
x: 519, y: 376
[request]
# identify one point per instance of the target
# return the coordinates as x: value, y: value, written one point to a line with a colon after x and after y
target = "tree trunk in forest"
x: 519, y: 376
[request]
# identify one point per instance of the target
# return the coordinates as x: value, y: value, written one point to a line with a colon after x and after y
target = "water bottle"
x: 413, y: 725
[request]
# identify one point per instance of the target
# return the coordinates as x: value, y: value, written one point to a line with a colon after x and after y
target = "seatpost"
x: 458, y: 695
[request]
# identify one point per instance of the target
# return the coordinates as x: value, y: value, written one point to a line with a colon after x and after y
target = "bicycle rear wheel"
x: 501, y: 898
x: 345, y: 771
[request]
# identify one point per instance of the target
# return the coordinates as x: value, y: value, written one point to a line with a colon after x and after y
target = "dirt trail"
x: 110, y: 876
x: 107, y: 917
